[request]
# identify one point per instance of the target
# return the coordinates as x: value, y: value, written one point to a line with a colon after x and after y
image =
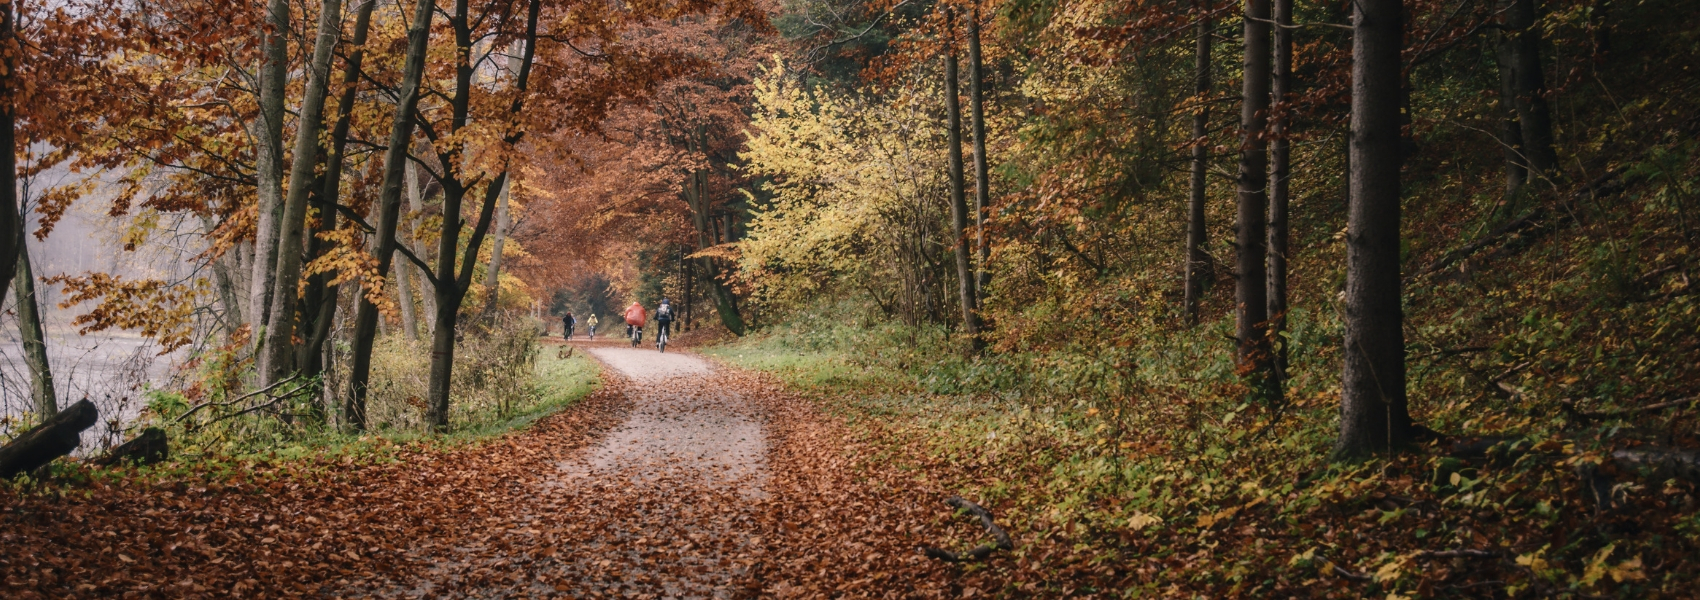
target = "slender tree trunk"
x: 696, y: 195
x: 451, y: 287
x: 1197, y: 262
x: 982, y: 179
x: 279, y: 348
x: 404, y: 300
x: 389, y: 204
x: 1279, y: 169
x: 268, y: 168
x: 416, y: 203
x: 1373, y: 413
x: 1251, y: 292
x: 958, y: 200
x: 314, y: 356
x: 222, y: 267
x: 1532, y: 111
x: 493, y: 275
x: 34, y: 339
x: 1516, y: 166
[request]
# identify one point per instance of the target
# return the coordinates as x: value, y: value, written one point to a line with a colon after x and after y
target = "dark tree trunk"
x: 982, y: 179
x: 11, y: 222
x: 1516, y: 167
x: 1373, y: 413
x: 34, y: 339
x: 1197, y: 263
x: 389, y: 204
x: 958, y: 200
x: 451, y: 287
x: 53, y: 438
x: 1532, y: 111
x: 696, y: 195
x: 1254, y: 357
x: 1279, y: 169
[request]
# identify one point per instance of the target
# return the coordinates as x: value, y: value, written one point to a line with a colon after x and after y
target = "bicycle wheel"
x: 661, y: 341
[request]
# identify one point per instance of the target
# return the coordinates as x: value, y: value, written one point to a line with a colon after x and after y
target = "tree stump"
x: 145, y: 449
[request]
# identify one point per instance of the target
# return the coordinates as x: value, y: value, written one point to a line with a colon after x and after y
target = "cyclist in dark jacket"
x: 664, y: 316
x: 567, y: 323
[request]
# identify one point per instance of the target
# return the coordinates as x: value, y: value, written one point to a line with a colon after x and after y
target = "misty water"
x: 112, y: 371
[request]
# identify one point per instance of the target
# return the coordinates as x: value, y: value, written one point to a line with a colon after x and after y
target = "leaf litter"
x: 716, y: 484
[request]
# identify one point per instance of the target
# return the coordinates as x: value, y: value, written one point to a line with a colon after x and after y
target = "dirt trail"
x: 684, y: 423
x: 677, y: 478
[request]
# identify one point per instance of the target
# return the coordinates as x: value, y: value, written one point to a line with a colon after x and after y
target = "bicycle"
x: 637, y: 336
x: 661, y: 339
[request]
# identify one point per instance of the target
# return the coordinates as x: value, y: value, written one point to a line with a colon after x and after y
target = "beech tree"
x: 389, y: 201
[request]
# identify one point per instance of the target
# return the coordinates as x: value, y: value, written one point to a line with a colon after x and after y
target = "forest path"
x: 676, y: 478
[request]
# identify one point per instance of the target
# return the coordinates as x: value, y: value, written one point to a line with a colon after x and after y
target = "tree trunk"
x: 696, y: 195
x: 34, y: 339
x: 268, y: 167
x: 1532, y: 111
x: 53, y: 438
x: 1516, y: 166
x: 1373, y: 413
x: 11, y: 222
x: 493, y: 275
x: 958, y: 201
x: 982, y: 179
x: 1279, y: 169
x: 416, y: 203
x: 389, y: 204
x: 1197, y: 262
x: 404, y: 300
x: 442, y: 361
x: 451, y: 287
x: 277, y: 360
x: 224, y: 268
x: 1251, y: 292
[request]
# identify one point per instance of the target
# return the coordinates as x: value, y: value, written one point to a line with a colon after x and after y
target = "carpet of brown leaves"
x: 519, y: 516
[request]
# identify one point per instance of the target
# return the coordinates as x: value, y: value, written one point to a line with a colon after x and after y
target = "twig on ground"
x: 999, y: 536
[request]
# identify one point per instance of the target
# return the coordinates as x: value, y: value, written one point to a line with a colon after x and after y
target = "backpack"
x: 664, y: 312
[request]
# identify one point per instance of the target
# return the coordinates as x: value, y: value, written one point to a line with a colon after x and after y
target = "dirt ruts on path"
x: 677, y: 478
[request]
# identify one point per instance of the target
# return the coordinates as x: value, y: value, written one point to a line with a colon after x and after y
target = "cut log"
x: 145, y: 449
x: 56, y: 437
x: 999, y: 536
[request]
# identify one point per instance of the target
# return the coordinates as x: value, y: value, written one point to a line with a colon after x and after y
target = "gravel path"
x: 682, y: 425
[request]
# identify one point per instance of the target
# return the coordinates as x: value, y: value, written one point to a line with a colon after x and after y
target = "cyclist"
x: 591, y: 323
x: 663, y: 320
x: 567, y: 323
x: 635, y: 316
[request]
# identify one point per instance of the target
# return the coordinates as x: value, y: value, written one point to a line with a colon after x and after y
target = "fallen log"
x: 999, y: 536
x: 56, y: 437
x: 1662, y: 462
x: 145, y: 449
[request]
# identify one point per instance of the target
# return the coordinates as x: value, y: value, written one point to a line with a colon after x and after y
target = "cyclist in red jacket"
x: 635, y: 316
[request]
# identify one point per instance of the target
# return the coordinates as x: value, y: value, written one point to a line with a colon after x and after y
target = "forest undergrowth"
x: 1135, y: 468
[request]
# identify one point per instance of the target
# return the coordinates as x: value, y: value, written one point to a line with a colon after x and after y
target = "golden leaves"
x: 159, y: 310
